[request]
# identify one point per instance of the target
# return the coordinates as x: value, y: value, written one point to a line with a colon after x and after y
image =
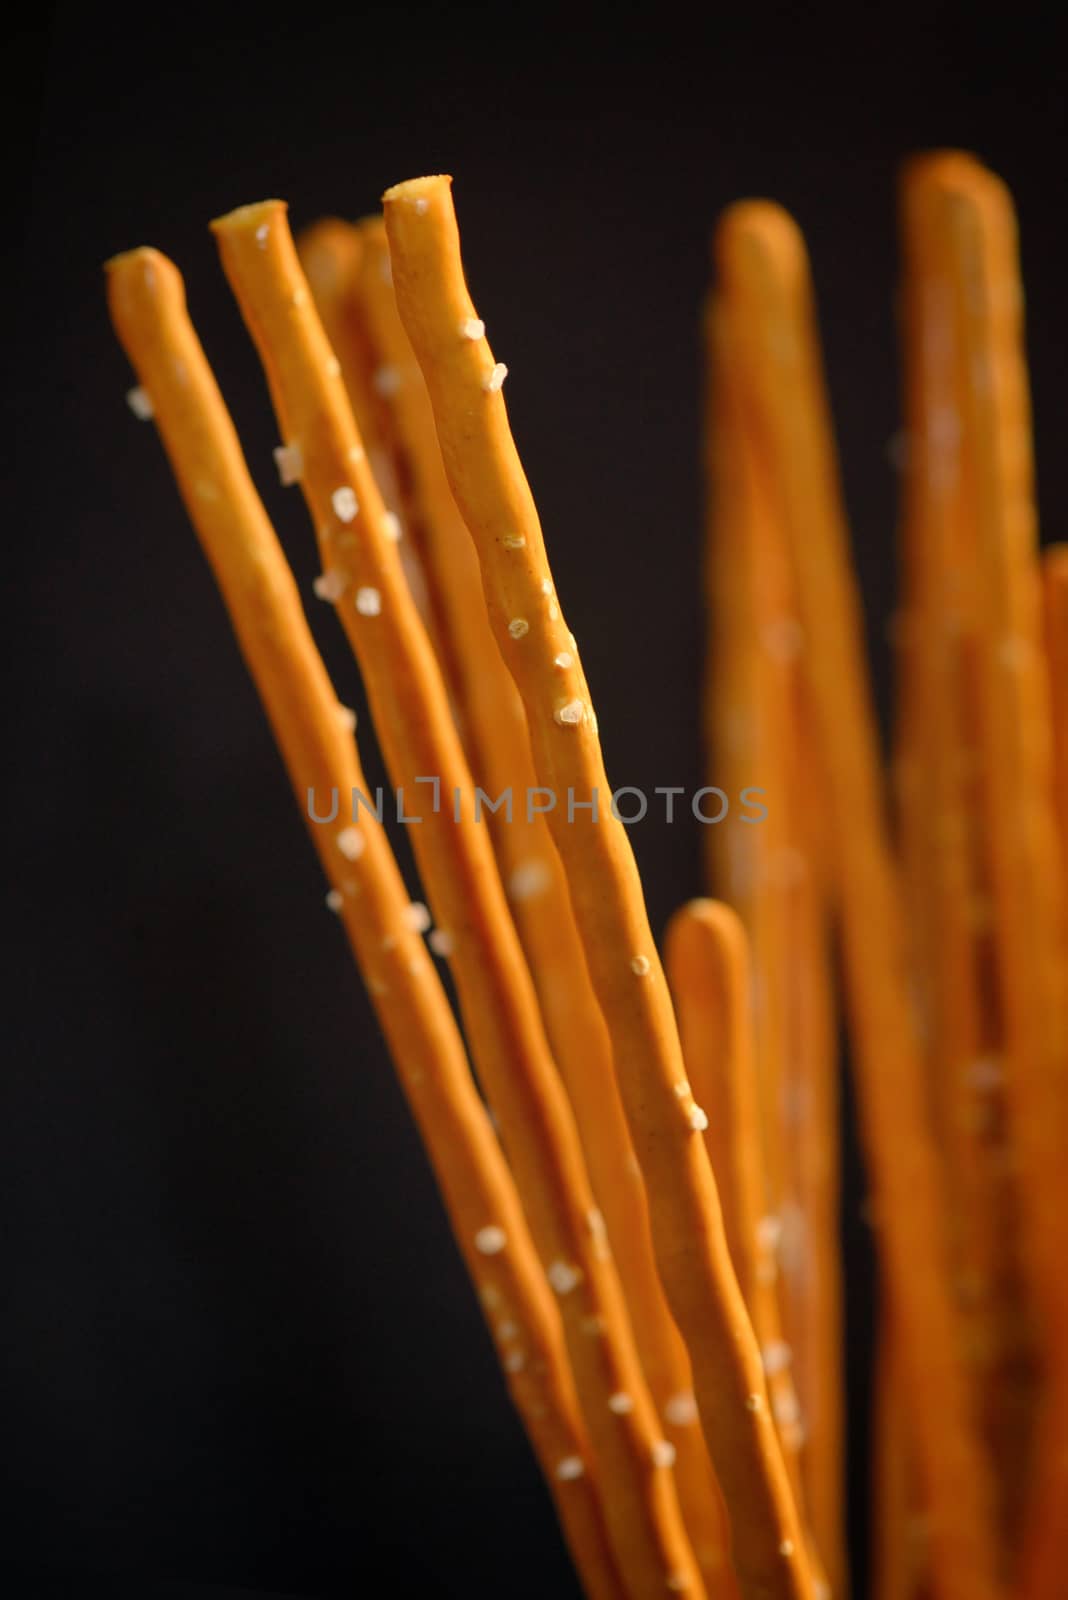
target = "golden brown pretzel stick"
x: 707, y: 960
x: 332, y: 252
x: 1023, y: 846
x: 493, y: 724
x: 965, y: 1038
x: 491, y: 490
x: 764, y: 273
x: 453, y: 850
x: 705, y: 957
x: 708, y: 966
x: 147, y: 303
x: 1055, y: 594
x: 1024, y: 855
x: 487, y: 708
x: 798, y: 1305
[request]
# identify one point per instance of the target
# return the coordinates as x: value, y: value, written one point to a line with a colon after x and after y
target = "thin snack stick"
x: 493, y: 723
x: 765, y: 276
x: 708, y: 966
x: 798, y: 1307
x: 454, y: 853
x: 331, y: 254
x: 487, y: 709
x: 705, y: 960
x: 1024, y: 852
x: 494, y: 497
x: 1018, y: 736
x: 147, y: 303
x: 964, y: 1028
x: 755, y: 549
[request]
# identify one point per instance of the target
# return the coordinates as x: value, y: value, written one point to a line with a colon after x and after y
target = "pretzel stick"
x: 492, y: 718
x: 707, y: 958
x: 783, y: 907
x: 331, y: 254
x: 765, y: 275
x: 453, y: 850
x: 147, y: 303
x: 966, y: 1035
x: 494, y: 498
x: 1024, y: 856
x: 708, y: 967
x: 488, y: 712
x: 1024, y: 851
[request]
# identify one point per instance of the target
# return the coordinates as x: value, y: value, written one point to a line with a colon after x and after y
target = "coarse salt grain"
x: 350, y: 842
x: 563, y: 1276
x: 290, y: 463
x: 140, y: 403
x: 329, y: 585
x: 530, y: 878
x: 344, y: 503
x: 681, y: 1409
x: 417, y: 916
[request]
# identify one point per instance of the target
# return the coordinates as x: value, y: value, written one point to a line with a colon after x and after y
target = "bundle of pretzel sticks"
x: 644, y: 1183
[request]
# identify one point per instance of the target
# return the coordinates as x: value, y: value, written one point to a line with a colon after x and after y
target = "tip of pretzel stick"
x: 142, y: 255
x: 250, y: 219
x: 961, y: 180
x: 414, y: 190
x: 138, y: 282
x: 329, y: 252
x: 751, y: 229
x: 939, y: 163
x: 143, y: 268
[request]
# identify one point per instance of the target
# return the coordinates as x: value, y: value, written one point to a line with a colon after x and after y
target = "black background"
x: 239, y: 1348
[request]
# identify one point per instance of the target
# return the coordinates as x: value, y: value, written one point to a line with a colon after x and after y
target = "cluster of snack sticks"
x: 672, y: 1340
